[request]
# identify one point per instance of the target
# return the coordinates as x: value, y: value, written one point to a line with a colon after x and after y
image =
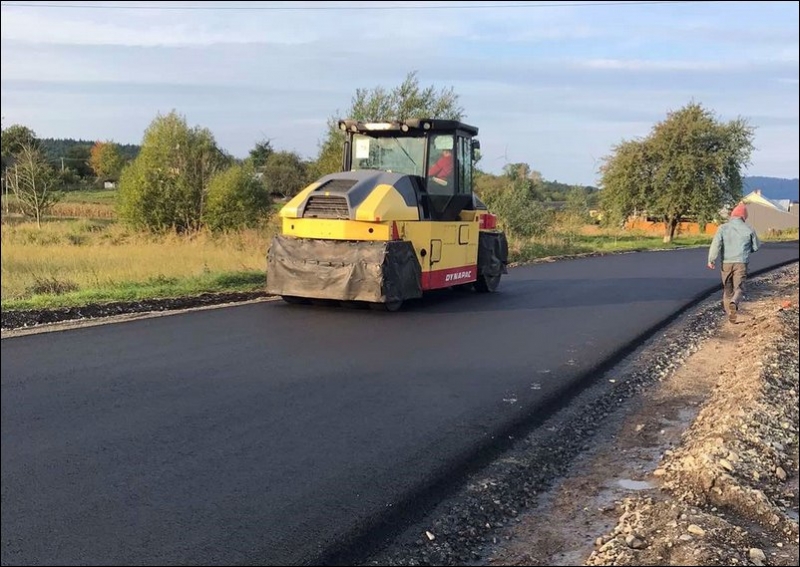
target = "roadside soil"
x: 101, y: 312
x: 701, y: 469
x: 685, y: 453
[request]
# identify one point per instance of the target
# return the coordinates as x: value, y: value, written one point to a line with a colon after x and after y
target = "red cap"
x: 739, y: 211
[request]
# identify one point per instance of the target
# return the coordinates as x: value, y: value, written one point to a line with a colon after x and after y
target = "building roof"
x: 755, y: 197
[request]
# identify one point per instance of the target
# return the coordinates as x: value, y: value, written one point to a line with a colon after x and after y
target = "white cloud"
x: 556, y: 87
x: 144, y: 28
x: 790, y: 54
x: 43, y: 27
x: 655, y: 65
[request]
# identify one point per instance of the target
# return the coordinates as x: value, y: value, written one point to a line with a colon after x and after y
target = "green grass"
x: 785, y: 235
x: 84, y: 204
x: 92, y: 196
x: 77, y: 224
x: 92, y: 203
x: 571, y: 245
x: 77, y: 262
x: 154, y: 288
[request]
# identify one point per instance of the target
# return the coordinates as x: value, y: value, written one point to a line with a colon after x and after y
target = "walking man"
x: 734, y: 242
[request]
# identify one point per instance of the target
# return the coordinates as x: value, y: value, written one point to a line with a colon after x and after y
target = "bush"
x: 285, y: 174
x: 236, y: 199
x: 165, y: 186
x: 49, y: 285
x: 520, y: 215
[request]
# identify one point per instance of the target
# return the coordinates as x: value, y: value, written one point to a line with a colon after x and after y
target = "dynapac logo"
x: 458, y: 276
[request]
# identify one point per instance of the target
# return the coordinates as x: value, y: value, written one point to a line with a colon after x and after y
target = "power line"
x: 227, y: 7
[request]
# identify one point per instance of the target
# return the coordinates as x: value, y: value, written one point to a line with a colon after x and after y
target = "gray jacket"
x: 734, y: 241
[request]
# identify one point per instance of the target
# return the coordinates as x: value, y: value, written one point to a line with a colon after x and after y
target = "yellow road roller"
x: 400, y: 219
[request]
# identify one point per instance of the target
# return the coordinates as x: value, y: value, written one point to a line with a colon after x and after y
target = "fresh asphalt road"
x: 268, y: 433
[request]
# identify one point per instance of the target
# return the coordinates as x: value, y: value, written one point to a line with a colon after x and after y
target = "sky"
x: 556, y: 85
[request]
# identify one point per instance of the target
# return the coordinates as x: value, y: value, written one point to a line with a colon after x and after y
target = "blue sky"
x: 553, y: 84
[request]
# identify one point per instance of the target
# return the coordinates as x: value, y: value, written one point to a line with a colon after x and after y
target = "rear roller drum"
x: 390, y: 306
x: 487, y: 284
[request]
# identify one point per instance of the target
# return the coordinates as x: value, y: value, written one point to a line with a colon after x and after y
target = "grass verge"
x: 73, y: 263
x: 56, y: 295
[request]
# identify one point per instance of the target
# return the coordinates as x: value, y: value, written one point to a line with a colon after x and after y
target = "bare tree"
x: 34, y: 183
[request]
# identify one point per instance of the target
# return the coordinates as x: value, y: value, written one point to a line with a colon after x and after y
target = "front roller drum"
x: 375, y: 272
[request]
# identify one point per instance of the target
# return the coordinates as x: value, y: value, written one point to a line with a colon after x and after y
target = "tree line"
x: 181, y: 180
x: 68, y: 153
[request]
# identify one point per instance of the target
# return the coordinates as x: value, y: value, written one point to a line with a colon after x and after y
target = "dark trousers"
x: 734, y: 276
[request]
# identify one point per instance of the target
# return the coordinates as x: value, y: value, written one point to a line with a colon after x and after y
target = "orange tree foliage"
x: 106, y: 161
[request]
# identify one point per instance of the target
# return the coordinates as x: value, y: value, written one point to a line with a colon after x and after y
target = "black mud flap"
x: 377, y: 272
x: 492, y: 254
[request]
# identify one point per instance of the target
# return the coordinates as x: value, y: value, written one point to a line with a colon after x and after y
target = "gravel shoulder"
x: 703, y: 468
x: 686, y: 453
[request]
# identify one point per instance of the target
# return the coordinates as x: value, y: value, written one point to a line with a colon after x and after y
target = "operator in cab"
x: 441, y: 170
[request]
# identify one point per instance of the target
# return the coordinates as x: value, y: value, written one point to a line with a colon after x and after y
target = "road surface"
x: 274, y: 434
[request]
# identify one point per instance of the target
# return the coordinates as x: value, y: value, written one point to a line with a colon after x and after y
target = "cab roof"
x: 423, y: 125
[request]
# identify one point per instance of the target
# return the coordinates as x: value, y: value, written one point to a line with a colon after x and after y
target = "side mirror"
x: 476, y: 150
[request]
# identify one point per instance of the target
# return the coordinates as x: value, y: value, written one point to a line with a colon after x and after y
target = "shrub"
x: 236, y: 199
x: 51, y: 286
x: 165, y: 186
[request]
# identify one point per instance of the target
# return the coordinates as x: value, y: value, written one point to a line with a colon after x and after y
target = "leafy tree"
x: 520, y: 215
x: 235, y: 199
x: 522, y: 173
x: 77, y: 158
x: 165, y: 186
x: 33, y: 182
x: 106, y: 161
x: 405, y: 101
x: 626, y: 181
x: 129, y: 151
x: 517, y: 208
x: 260, y: 153
x: 285, y: 174
x: 68, y: 152
x: 576, y: 211
x: 689, y: 165
x: 489, y: 187
x: 556, y: 191
x: 329, y: 159
x: 68, y: 178
x: 515, y: 196
x: 56, y: 150
x: 578, y: 204
x: 14, y: 139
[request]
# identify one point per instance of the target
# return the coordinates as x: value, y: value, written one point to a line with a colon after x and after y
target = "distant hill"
x: 775, y: 188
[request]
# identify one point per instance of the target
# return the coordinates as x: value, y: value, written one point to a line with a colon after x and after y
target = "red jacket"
x: 443, y: 167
